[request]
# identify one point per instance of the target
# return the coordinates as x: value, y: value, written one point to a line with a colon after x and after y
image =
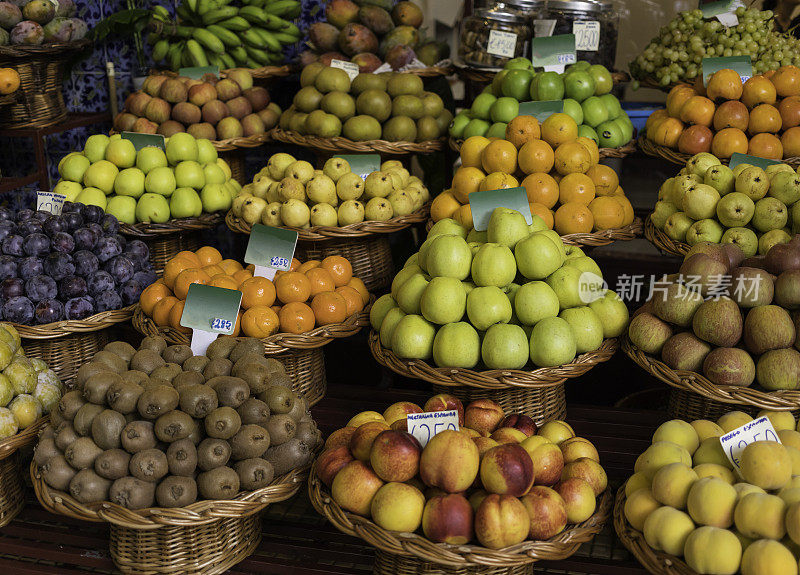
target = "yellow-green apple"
x: 547, y: 512
x: 449, y: 461
x: 363, y: 436
x: 331, y: 461
x: 398, y: 507
x: 578, y: 497
x: 470, y: 432
x: 399, y: 411
x: 548, y: 462
x: 508, y: 435
x: 484, y: 444
x: 501, y: 521
x: 364, y: 417
x: 483, y: 415
x: 446, y: 402
x: 576, y: 447
x: 531, y: 443
x: 588, y: 470
x: 340, y: 437
x: 557, y: 431
x: 448, y: 519
x: 354, y: 487
x: 395, y: 456
x: 519, y: 421
x: 507, y: 470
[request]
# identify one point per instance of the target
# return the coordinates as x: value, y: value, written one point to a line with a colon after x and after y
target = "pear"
x: 507, y: 227
x: 350, y: 187
x: 378, y: 209
x: 402, y: 203
x: 273, y: 192
x: 350, y: 212
x: 238, y: 202
x: 271, y: 216
x: 335, y: 168
x: 260, y: 187
x: 322, y: 190
x: 324, y: 215
x: 378, y: 185
x: 291, y: 189
x: 277, y: 165
x: 295, y: 213
x: 252, y: 209
x: 299, y: 170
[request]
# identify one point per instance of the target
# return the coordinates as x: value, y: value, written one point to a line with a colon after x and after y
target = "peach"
x: 484, y: 444
x: 588, y: 470
x: 448, y: 519
x: 398, y: 411
x: 331, y: 461
x: 577, y: 447
x: 557, y: 431
x: 519, y: 421
x: 446, y: 402
x: 364, y: 417
x: 432, y: 492
x: 578, y: 497
x: 483, y: 415
x: 508, y: 435
x: 398, y: 507
x: 501, y: 521
x: 507, y: 470
x: 470, y: 432
x: 362, y: 438
x: 450, y: 461
x: 547, y: 512
x: 395, y: 455
x: 477, y: 498
x: 531, y: 443
x: 339, y: 437
x: 354, y: 487
x: 548, y: 462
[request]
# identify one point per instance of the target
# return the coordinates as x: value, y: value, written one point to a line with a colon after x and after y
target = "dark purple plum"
x: 63, y: 242
x: 72, y: 286
x: 6, y: 214
x: 13, y: 246
x: 53, y: 225
x: 29, y: 227
x: 70, y: 207
x: 99, y: 282
x: 130, y: 292
x: 84, y: 239
x: 139, y: 248
x: 23, y: 215
x: 73, y: 221
x: 58, y: 266
x: 92, y: 213
x: 120, y: 268
x: 36, y: 245
x: 95, y: 228
x: 86, y: 263
x: 145, y: 278
x: 79, y: 308
x: 41, y: 215
x: 107, y: 248
x: 6, y: 229
x: 11, y: 287
x: 107, y: 300
x: 29, y: 267
x: 8, y: 267
x: 40, y: 288
x: 18, y: 310
x: 120, y: 238
x: 110, y: 224
x: 48, y: 311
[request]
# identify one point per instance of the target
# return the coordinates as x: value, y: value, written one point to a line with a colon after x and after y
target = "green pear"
x: 413, y: 338
x: 505, y: 346
x: 206, y: 153
x: 443, y: 301
x: 457, y: 345
x: 214, y: 174
x: 552, y: 342
x: 121, y: 153
x: 324, y: 215
x: 379, y: 310
x: 150, y: 158
x: 272, y: 215
x: 350, y: 212
x: 447, y: 226
x: 388, y: 325
x: 586, y: 327
x: 69, y: 190
x: 506, y: 227
x: 73, y: 167
x: 152, y: 208
x: 190, y: 174
x: 295, y: 213
x: 95, y: 147
x: 535, y: 301
x: 101, y: 175
x: 185, y: 203
x: 409, y: 295
x: 160, y: 181
x: 215, y: 198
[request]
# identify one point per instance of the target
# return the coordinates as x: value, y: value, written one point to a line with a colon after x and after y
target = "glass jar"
x: 595, y: 24
x: 493, y: 35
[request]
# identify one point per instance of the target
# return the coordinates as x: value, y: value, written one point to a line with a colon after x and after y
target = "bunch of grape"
x: 678, y: 51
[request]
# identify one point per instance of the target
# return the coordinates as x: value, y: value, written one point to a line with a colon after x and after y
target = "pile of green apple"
x: 184, y: 180
x: 752, y: 207
x: 584, y: 88
x: 502, y: 298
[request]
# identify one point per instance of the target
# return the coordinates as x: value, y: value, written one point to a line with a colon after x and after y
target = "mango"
x: 660, y: 454
x: 780, y: 420
x: 714, y: 470
x: 636, y: 482
x: 639, y: 506
x: 705, y: 429
x: 678, y: 432
x: 767, y: 557
x: 766, y: 464
x: 712, y: 501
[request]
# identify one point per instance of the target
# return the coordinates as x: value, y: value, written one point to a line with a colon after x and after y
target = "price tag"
x: 542, y: 109
x: 544, y: 28
x: 502, y: 43
x: 197, y: 72
x: 739, y: 64
x: 50, y: 202
x: 733, y: 443
x: 425, y: 425
x: 724, y: 11
x: 553, y: 53
x: 270, y: 250
x: 209, y: 312
x: 763, y: 163
x: 145, y: 140
x: 362, y: 164
x: 587, y: 35
x: 483, y: 204
x: 349, y: 67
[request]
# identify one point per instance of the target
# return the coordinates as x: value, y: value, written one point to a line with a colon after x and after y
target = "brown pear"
x: 719, y: 322
x: 768, y: 327
x: 685, y: 351
x: 729, y: 366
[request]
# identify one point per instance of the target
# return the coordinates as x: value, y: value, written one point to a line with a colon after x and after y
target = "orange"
x: 309, y: 265
x: 162, y: 309
x: 257, y: 291
x: 188, y: 277
x: 591, y: 147
x: 277, y: 308
x: 444, y: 206
x: 765, y: 146
x: 329, y: 307
x: 541, y: 188
x: 175, y: 266
x: 191, y: 256
x: 499, y: 156
x: 463, y: 216
x: 340, y: 269
x: 536, y: 156
x: 605, y: 179
x: 230, y: 266
x: 667, y: 132
x: 498, y: 181
x: 607, y: 213
x: 658, y: 115
x: 296, y: 317
x: 573, y: 218
x: 627, y: 209
x: 572, y: 157
x: 224, y: 281
x: 466, y: 181
x: 618, y: 192
x: 523, y: 129
x: 471, y: 151
x: 151, y: 295
x: 175, y: 317
x: 213, y: 270
x: 360, y: 288
x: 576, y: 188
x: 321, y: 280
x: 543, y: 212
x: 352, y: 298
x: 9, y: 80
x: 241, y: 276
x: 208, y: 255
x: 295, y: 265
x: 559, y: 128
x: 724, y: 84
x: 292, y: 286
x: 260, y: 321
x: 786, y: 80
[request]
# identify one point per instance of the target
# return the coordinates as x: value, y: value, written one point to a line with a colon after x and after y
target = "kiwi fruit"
x: 70, y: 403
x: 57, y: 472
x: 112, y: 464
x: 96, y: 387
x: 88, y: 487
x: 217, y: 367
x: 123, y: 396
x: 147, y: 360
x: 65, y: 435
x: 56, y: 418
x: 122, y: 349
x: 199, y: 432
x: 177, y: 354
x: 157, y: 400
x: 107, y: 427
x: 254, y: 473
x: 168, y: 371
x: 83, y: 419
x: 222, y: 423
x: 231, y: 391
x: 138, y: 436
x: 176, y: 492
x: 182, y: 457
x: 275, y: 366
x: 256, y: 376
x: 156, y: 381
x: 281, y: 428
x: 250, y: 441
x: 213, y: 453
x: 45, y: 449
x: 246, y: 346
x: 254, y: 411
x: 48, y: 432
x: 281, y: 379
x: 196, y: 363
x: 185, y: 378
x: 82, y: 452
x: 114, y: 362
x: 279, y: 399
x: 86, y: 371
x: 135, y: 376
x: 246, y: 360
x: 287, y: 456
x: 132, y: 493
x: 197, y: 400
x: 308, y: 433
x: 299, y: 409
x: 219, y: 483
x: 173, y: 426
x: 154, y: 343
x: 221, y: 347
x: 149, y: 465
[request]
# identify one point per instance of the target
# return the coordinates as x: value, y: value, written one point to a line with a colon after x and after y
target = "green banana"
x: 160, y: 11
x: 196, y: 53
x: 285, y: 38
x: 239, y: 55
x: 253, y: 15
x: 184, y: 32
x: 208, y: 40
x: 228, y: 38
x: 228, y: 61
x: 236, y: 24
x: 216, y: 60
x: 175, y: 55
x: 185, y: 15
x: 203, y: 6
x: 160, y: 50
x: 260, y: 56
x: 254, y: 39
x: 281, y: 7
x: 219, y: 14
x: 192, y: 5
x: 270, y: 41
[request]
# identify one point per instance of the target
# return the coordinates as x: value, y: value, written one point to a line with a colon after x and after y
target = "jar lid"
x: 580, y: 5
x: 526, y: 5
x: 497, y: 13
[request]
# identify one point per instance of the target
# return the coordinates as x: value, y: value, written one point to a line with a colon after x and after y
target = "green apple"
x: 537, y: 257
x: 677, y: 225
x: 101, y: 175
x: 206, y: 153
x: 566, y: 283
x: 95, y: 147
x: 402, y: 277
x: 214, y: 174
x: 123, y: 208
x: 443, y: 301
x: 379, y: 310
x: 612, y: 106
x: 476, y: 237
x: 578, y: 85
x: 493, y: 265
x: 150, y: 158
x: 130, y: 182
x: 585, y: 131
x: 506, y: 227
x: 537, y: 225
x: 185, y: 203
x: 390, y: 321
x: 482, y: 105
x: 487, y: 306
x: 69, y: 190
x: 700, y: 202
x: 769, y: 214
x: 413, y: 338
x: 516, y: 84
x: 160, y: 181
x: 181, y: 147
x: 552, y: 342
x: 573, y: 109
x: 475, y: 127
x: 457, y: 345
x: 215, y: 198
x: 121, y: 153
x: 152, y: 208
x: 721, y: 178
x: 504, y: 109
x: 586, y: 327
x: 412, y: 260
x: 535, y: 301
x: 190, y: 174
x: 497, y: 130
x: 735, y: 210
x: 505, y: 346
x: 603, y: 82
x: 745, y: 238
x: 73, y: 167
x: 594, y: 112
x: 459, y: 123
x: 707, y: 230
x: 613, y: 314
x: 585, y: 264
x: 448, y: 256
x: 661, y: 213
x: 556, y: 239
x: 92, y: 197
x: 410, y: 293
x: 573, y: 252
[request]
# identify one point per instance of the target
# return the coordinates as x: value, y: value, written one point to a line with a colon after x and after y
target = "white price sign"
x: 587, y: 35
x: 50, y: 202
x: 349, y: 67
x: 733, y: 443
x: 502, y: 43
x: 425, y: 425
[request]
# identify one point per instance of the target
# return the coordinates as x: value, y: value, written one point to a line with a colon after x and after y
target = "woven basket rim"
x: 650, y: 148
x: 340, y: 144
x: 174, y: 226
x: 662, y: 241
x: 22, y: 438
x: 265, y: 71
x: 64, y: 328
x: 233, y: 144
x: 621, y: 152
x: 43, y: 50
x: 618, y: 76
x: 495, y: 379
x: 693, y: 382
x: 411, y: 544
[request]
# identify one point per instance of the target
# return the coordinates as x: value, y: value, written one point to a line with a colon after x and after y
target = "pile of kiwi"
x: 160, y: 426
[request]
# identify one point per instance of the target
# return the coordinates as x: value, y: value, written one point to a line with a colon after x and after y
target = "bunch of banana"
x: 217, y: 33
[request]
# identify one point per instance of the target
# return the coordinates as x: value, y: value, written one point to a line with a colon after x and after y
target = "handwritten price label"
x: 279, y: 263
x: 425, y: 425
x: 502, y: 43
x: 221, y: 325
x: 587, y: 35
x: 349, y: 67
x: 733, y: 443
x: 50, y: 202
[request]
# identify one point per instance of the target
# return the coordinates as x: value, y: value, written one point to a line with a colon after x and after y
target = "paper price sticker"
x: 483, y: 204
x: 351, y: 69
x: 763, y: 163
x: 733, y: 443
x: 140, y: 141
x: 425, y: 425
x: 50, y: 202
x: 724, y: 11
x: 502, y: 43
x: 197, y: 72
x: 270, y: 250
x: 542, y: 109
x: 587, y: 35
x: 362, y: 164
x: 208, y: 312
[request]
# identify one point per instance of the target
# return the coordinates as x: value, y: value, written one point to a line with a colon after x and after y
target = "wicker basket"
x: 621, y: 152
x: 39, y: 101
x: 656, y: 150
x: 339, y: 144
x: 237, y: 162
x: 411, y: 554
x: 12, y: 498
x: 206, y: 537
x: 662, y: 241
x: 266, y: 72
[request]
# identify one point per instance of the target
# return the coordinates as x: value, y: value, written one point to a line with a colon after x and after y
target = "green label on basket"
x: 49, y: 202
x: 145, y: 140
x: 541, y: 110
x: 198, y: 72
x: 211, y: 309
x: 553, y: 53
x: 763, y: 163
x: 734, y: 442
x: 270, y: 249
x: 362, y: 164
x: 723, y: 10
x: 739, y: 64
x: 483, y: 204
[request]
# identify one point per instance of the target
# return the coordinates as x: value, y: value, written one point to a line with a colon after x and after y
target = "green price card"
x: 541, y: 110
x: 553, y: 53
x: 739, y: 64
x: 198, y: 72
x: 270, y: 249
x: 763, y: 163
x: 209, y: 312
x: 362, y: 164
x: 484, y: 203
x: 723, y: 10
x: 145, y: 140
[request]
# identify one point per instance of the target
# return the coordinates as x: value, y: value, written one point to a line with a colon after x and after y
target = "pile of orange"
x: 566, y: 185
x: 760, y: 117
x: 313, y: 293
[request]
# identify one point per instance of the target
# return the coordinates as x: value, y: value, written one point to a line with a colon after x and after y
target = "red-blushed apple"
x: 339, y: 437
x: 331, y: 461
x: 588, y: 470
x: 448, y: 519
x: 578, y: 497
x: 484, y: 444
x: 450, y: 461
x: 399, y: 411
x: 547, y: 464
x: 432, y: 492
x: 483, y: 415
x: 508, y: 435
x: 395, y: 456
x: 577, y: 447
x: 557, y: 431
x: 501, y: 521
x: 398, y: 507
x: 470, y: 432
x: 519, y: 421
x: 354, y: 487
x: 476, y: 498
x: 445, y: 402
x: 400, y: 425
x: 547, y: 512
x: 364, y: 417
x: 507, y: 470
x: 362, y: 438
x: 531, y: 443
